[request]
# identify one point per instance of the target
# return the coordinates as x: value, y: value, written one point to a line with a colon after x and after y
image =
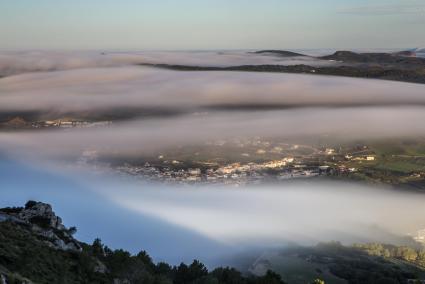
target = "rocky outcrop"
x: 41, y: 219
x: 41, y: 213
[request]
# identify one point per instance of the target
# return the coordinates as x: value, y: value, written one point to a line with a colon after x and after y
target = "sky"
x: 210, y: 24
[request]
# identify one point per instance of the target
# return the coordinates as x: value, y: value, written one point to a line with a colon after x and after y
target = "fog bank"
x: 177, y: 224
x: 303, y: 213
x: 94, y: 89
x: 16, y: 62
x: 146, y: 136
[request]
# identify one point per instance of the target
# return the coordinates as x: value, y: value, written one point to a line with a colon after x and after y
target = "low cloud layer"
x: 177, y: 224
x: 17, y: 62
x: 220, y: 105
x: 303, y: 213
x: 92, y: 89
x: 210, y: 105
x: 146, y: 136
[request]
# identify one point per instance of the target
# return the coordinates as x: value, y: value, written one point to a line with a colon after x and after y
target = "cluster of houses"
x: 319, y: 162
x: 238, y: 168
x: 326, y: 161
x: 235, y: 173
x: 369, y: 158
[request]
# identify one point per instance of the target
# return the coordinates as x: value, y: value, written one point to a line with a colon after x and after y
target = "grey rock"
x: 41, y: 210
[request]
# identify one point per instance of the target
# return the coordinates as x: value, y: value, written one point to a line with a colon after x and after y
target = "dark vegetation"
x: 359, y: 264
x: 25, y: 255
x: 405, y: 253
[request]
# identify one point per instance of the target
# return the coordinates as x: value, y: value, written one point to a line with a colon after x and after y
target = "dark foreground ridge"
x: 35, y: 247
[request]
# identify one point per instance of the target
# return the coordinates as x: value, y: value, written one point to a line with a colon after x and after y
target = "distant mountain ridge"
x: 282, y: 53
x: 401, y: 58
x: 402, y: 66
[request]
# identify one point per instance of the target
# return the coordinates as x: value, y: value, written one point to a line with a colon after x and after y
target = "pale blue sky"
x: 211, y: 24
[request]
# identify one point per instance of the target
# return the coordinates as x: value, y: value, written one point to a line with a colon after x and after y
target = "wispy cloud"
x: 17, y: 62
x: 385, y: 10
x: 281, y: 214
x: 107, y: 88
